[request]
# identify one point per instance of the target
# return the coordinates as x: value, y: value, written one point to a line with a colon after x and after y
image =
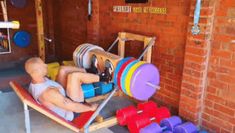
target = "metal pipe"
x: 26, y: 118
x: 151, y: 43
x: 101, y: 106
x: 113, y: 44
x: 153, y: 85
x: 89, y: 9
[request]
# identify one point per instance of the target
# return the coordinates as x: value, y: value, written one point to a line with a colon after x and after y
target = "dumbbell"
x: 125, y: 115
x: 143, y: 120
x: 187, y: 127
x: 167, y: 124
x: 90, y: 90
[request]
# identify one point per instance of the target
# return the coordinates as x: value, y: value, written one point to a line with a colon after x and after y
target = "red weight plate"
x: 122, y: 70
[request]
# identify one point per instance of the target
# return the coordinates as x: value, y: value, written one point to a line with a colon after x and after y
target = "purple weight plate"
x: 142, y: 75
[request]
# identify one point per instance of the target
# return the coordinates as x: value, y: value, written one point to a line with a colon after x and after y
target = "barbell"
x: 137, y: 79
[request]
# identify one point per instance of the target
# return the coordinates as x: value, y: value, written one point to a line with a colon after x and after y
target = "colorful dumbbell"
x: 126, y: 114
x: 142, y: 120
x: 187, y: 127
x: 167, y: 124
x: 171, y: 125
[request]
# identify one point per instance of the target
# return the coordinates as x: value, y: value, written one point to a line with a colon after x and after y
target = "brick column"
x: 93, y: 24
x: 197, y: 52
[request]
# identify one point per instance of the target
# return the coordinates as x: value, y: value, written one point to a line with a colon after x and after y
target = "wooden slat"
x: 121, y: 44
x: 40, y: 29
x: 106, y: 123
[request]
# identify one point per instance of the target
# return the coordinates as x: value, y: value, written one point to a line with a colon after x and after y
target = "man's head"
x: 36, y: 68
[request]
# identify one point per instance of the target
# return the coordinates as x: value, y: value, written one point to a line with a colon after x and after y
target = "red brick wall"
x: 27, y: 19
x: 219, y: 108
x: 170, y: 30
x: 70, y: 20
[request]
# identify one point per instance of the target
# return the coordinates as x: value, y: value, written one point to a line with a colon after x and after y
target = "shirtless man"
x: 64, y: 96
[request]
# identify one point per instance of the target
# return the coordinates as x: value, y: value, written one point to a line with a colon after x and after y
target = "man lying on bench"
x: 64, y: 96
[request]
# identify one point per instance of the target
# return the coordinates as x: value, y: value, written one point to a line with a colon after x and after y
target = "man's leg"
x: 74, y: 82
x: 63, y: 74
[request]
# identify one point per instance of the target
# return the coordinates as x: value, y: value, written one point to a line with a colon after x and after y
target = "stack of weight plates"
x: 81, y: 56
x: 133, y: 78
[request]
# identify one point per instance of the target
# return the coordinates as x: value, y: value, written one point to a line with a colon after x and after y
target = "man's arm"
x: 53, y: 96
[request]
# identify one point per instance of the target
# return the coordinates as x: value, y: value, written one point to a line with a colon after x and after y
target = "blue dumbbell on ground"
x: 187, y: 127
x: 102, y: 88
x: 171, y: 125
x: 167, y: 125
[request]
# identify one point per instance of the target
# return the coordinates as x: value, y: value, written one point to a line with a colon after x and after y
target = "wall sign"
x: 136, y: 1
x: 130, y: 9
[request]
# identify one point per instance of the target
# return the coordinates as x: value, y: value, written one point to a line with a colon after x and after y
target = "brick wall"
x: 219, y: 109
x: 207, y: 91
x: 169, y: 29
x: 70, y: 20
x: 27, y: 19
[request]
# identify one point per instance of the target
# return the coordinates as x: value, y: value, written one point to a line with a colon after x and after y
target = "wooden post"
x: 148, y: 55
x: 40, y: 29
x: 121, y: 44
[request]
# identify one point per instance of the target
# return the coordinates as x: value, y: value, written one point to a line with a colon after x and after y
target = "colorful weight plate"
x: 145, y: 73
x: 129, y: 76
x: 22, y: 39
x: 87, y: 56
x: 120, y: 63
x: 124, y: 74
x: 121, y: 71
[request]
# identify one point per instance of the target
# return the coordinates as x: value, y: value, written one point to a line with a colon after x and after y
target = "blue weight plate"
x: 119, y: 65
x: 124, y: 74
x: 22, y: 39
x: 19, y: 3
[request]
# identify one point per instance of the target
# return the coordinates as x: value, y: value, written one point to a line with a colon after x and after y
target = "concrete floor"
x: 12, y: 118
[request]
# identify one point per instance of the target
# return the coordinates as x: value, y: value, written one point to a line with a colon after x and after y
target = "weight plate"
x: 120, y: 63
x: 87, y: 56
x: 145, y: 73
x: 79, y: 54
x: 75, y: 54
x: 129, y: 76
x: 22, y: 39
x: 82, y: 54
x: 121, y: 71
x: 124, y: 74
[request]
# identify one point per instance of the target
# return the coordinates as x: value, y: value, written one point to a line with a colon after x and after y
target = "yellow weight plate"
x: 129, y: 76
